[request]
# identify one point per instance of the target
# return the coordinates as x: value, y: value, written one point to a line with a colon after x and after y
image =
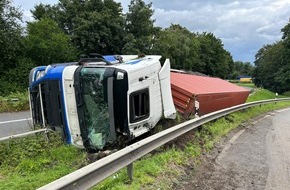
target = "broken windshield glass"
x: 96, y: 112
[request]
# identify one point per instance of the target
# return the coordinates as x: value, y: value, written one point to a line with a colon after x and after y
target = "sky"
x: 243, y: 26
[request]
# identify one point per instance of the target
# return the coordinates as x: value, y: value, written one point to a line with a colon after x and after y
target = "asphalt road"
x: 256, y: 157
x: 14, y: 123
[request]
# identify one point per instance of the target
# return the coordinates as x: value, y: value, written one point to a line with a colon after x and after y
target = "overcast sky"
x: 243, y: 26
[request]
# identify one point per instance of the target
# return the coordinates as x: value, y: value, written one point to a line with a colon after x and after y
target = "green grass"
x: 250, y: 85
x: 31, y: 162
x: 263, y: 94
x: 14, y: 102
x: 146, y: 171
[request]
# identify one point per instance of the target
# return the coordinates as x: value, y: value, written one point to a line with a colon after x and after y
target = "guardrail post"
x: 130, y: 171
x: 46, y: 136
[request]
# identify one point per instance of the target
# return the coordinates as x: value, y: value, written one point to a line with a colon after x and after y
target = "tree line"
x: 272, y: 63
x: 61, y: 32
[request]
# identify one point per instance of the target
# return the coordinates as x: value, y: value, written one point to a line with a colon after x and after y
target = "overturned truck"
x: 100, y: 99
x: 110, y: 100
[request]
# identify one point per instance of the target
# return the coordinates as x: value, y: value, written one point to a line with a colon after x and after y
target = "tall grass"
x: 14, y: 102
x: 263, y: 94
x: 31, y: 162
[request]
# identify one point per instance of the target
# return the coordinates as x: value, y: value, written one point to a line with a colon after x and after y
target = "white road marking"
x: 13, y: 121
x: 228, y: 145
x: 235, y: 137
x: 255, y: 122
x: 286, y: 109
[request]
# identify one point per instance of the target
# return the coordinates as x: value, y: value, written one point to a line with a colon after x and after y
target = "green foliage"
x: 246, y: 84
x: 139, y: 28
x: 180, y: 46
x: 263, y: 94
x: 31, y: 162
x: 10, y: 35
x: 47, y: 43
x: 14, y: 102
x: 241, y: 68
x: 11, y: 43
x: 286, y: 94
x: 216, y: 60
x: 194, y: 52
x: 41, y: 11
x: 146, y: 171
x: 93, y: 26
x: 273, y: 64
x: 15, y: 78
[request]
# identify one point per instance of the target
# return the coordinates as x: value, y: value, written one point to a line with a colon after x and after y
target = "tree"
x: 46, y: 43
x: 180, y: 45
x: 10, y: 34
x: 140, y: 27
x: 193, y: 52
x: 273, y: 64
x: 241, y: 68
x: 268, y: 63
x: 92, y: 25
x: 11, y: 46
x: 286, y: 37
x: 213, y: 56
x: 283, y: 73
x: 45, y: 11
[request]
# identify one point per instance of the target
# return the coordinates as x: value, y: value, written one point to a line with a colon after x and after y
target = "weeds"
x: 30, y: 162
x: 14, y: 102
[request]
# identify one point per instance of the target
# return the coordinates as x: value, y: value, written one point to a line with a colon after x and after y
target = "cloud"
x: 244, y: 26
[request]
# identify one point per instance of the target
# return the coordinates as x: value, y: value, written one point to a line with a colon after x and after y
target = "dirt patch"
x: 167, y: 178
x: 202, y: 169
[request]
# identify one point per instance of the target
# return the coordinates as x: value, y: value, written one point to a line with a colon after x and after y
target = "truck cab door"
x: 167, y: 101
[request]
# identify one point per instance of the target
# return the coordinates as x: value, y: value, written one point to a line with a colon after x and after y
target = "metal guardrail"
x: 25, y: 134
x: 94, y: 173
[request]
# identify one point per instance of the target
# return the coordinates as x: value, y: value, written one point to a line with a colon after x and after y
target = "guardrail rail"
x: 46, y: 130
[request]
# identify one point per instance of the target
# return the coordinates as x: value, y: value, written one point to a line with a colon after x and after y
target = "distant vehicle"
x: 101, y: 99
x: 244, y: 78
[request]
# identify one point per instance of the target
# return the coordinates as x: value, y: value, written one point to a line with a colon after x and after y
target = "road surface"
x: 14, y: 123
x: 256, y: 157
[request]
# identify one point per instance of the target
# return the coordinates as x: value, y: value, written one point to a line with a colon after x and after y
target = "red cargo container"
x: 201, y: 95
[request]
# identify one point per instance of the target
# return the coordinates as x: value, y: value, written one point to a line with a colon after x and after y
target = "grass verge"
x: 263, y: 94
x: 14, y: 102
x: 250, y: 85
x: 30, y: 162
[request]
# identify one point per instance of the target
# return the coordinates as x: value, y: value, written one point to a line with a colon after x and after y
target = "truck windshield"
x: 96, y: 112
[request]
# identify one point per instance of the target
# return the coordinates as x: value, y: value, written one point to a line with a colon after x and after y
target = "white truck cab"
x: 108, y: 97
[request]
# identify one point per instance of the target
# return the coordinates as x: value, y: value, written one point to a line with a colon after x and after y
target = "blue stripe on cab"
x: 134, y: 62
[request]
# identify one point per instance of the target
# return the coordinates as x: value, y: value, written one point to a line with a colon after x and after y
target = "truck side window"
x: 139, y: 105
